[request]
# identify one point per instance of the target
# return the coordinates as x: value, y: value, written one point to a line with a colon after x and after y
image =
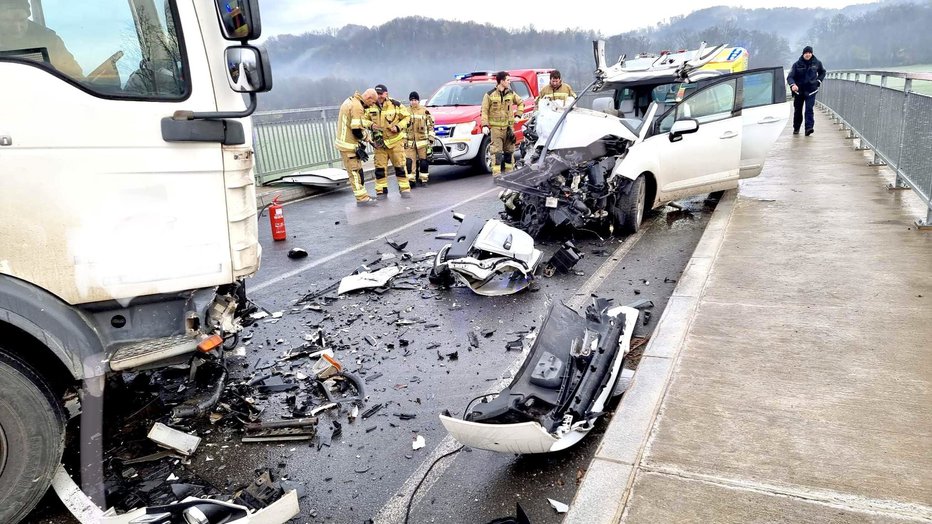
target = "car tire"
x: 630, y: 205
x: 32, y: 438
x: 483, y: 160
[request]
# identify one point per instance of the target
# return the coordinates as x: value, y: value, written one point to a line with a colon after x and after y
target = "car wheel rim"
x: 488, y: 158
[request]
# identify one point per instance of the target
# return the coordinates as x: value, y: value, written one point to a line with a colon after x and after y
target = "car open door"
x: 707, y: 154
x: 764, y: 113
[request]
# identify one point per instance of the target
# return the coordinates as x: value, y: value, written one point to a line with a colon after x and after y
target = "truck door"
x: 96, y: 205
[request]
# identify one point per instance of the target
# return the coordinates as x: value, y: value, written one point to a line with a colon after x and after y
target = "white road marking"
x: 328, y: 258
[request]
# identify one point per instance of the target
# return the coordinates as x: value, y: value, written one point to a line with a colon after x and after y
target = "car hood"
x: 446, y: 115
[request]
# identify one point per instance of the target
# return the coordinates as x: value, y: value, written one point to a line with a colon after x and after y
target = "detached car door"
x: 764, y: 113
x: 706, y: 159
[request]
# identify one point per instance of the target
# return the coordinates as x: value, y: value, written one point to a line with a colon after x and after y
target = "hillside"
x: 418, y: 53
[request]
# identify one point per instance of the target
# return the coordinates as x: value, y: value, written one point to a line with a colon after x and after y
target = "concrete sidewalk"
x: 790, y: 378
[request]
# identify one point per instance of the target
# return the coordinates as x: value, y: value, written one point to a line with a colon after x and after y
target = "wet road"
x: 368, y: 471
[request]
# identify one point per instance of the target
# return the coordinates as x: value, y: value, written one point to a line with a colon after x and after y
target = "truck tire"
x: 32, y: 438
x: 630, y: 205
x: 483, y: 160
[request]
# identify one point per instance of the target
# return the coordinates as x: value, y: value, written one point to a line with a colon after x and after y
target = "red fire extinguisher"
x: 277, y: 220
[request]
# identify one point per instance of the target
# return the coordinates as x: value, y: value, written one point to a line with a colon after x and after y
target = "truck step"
x: 141, y: 353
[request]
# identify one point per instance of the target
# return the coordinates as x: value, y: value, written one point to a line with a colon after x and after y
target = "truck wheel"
x: 32, y: 432
x: 484, y: 159
x: 630, y: 203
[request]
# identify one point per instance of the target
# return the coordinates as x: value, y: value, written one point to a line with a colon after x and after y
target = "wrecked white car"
x: 667, y: 130
x: 489, y: 257
x: 561, y: 389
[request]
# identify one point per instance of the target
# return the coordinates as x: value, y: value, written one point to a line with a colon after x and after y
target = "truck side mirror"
x: 248, y: 69
x: 239, y: 19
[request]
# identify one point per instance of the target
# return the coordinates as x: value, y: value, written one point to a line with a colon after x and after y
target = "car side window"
x: 109, y: 47
x: 758, y: 89
x: 708, y: 105
x: 521, y: 88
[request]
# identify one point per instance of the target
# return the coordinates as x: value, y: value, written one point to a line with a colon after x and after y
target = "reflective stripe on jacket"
x: 501, y: 108
x: 421, y: 130
x: 352, y: 116
x: 564, y: 92
x: 390, y: 113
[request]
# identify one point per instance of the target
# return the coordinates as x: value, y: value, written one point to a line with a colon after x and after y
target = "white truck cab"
x: 127, y: 199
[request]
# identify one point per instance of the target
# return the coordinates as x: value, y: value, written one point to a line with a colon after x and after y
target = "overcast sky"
x: 608, y: 16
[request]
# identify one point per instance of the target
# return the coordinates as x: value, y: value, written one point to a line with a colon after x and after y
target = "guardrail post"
x: 328, y: 130
x: 899, y: 181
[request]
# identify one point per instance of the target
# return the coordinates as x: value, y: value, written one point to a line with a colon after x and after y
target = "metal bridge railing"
x: 292, y: 140
x: 886, y: 113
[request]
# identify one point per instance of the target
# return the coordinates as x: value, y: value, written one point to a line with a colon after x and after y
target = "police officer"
x: 501, y: 109
x: 420, y: 140
x: 389, y: 121
x: 556, y: 89
x: 350, y: 141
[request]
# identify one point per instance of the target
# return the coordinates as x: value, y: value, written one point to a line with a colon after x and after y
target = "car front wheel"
x: 630, y: 203
x: 483, y: 160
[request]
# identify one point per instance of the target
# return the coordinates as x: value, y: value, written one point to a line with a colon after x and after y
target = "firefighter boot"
x: 381, y: 183
x: 509, y: 162
x: 423, y: 175
x: 497, y: 164
x: 410, y: 166
x: 403, y: 186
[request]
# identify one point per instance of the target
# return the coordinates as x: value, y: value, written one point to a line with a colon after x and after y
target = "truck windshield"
x: 110, y: 47
x: 464, y: 94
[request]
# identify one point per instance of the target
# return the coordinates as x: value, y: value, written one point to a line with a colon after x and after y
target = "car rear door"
x: 764, y: 113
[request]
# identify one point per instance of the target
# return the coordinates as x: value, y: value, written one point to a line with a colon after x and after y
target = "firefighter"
x: 501, y: 109
x: 389, y: 121
x: 419, y: 146
x: 351, y: 128
x: 556, y: 89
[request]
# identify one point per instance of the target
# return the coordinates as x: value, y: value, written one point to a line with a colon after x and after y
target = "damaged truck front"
x: 129, y: 209
x: 673, y: 126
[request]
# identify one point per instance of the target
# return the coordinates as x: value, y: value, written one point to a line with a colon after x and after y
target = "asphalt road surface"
x: 369, y: 469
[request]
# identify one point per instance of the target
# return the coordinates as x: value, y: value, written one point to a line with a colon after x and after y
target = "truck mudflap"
x: 202, y: 511
x: 561, y: 389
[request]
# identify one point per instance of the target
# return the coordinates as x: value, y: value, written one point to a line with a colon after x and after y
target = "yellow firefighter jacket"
x: 421, y: 129
x: 352, y: 116
x: 390, y: 113
x: 560, y: 95
x: 501, y: 108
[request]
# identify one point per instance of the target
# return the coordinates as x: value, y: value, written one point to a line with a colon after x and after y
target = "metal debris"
x: 372, y: 411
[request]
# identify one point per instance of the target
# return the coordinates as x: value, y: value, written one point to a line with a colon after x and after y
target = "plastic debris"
x: 400, y: 246
x: 418, y: 443
x: 297, y: 253
x: 182, y: 442
x: 558, y: 506
x: 369, y: 280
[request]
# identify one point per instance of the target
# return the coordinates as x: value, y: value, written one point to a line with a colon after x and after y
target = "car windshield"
x: 461, y: 94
